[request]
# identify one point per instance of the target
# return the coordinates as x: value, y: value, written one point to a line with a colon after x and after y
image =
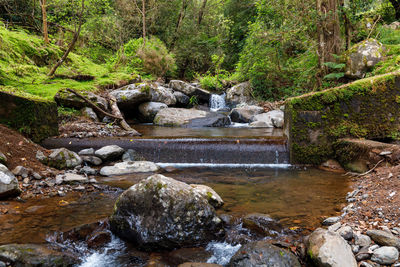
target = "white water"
x: 217, y: 102
x: 222, y: 252
x: 224, y: 165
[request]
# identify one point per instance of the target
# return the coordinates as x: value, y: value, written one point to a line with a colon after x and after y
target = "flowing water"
x: 217, y: 102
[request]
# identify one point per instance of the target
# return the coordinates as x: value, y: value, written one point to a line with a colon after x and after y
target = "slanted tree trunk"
x: 201, y: 12
x: 396, y: 5
x: 72, y: 44
x: 43, y: 6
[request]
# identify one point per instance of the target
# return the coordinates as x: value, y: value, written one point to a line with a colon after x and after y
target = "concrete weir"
x: 191, y: 150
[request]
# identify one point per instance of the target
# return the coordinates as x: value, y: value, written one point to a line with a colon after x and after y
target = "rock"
x: 67, y: 99
x: 363, y: 254
x: 129, y: 167
x: 178, y: 116
x: 198, y: 264
x: 211, y: 120
x: 74, y: 178
x: 329, y: 249
x: 362, y: 57
x: 262, y: 253
x: 207, y: 192
x: 384, y: 238
x: 150, y: 109
x: 190, y: 90
x: 93, y: 160
x: 385, y: 255
x: 161, y: 94
x: 2, y: 264
x: 394, y: 25
x: 188, y: 255
x: 8, y: 183
x: 99, y: 239
x: 271, y: 119
x: 63, y: 158
x: 240, y: 93
x: 346, y: 232
x: 3, y: 158
x: 108, y: 153
x: 332, y: 165
x: 35, y: 255
x: 130, y: 155
x: 162, y: 213
x: 89, y: 113
x: 131, y: 95
x: 262, y: 224
x: 87, y: 170
x: 182, y: 100
x: 334, y: 227
x: 260, y: 124
x: 365, y: 264
x: 41, y: 157
x: 21, y: 171
x: 362, y: 240
x: 331, y: 220
x: 37, y: 176
x: 244, y: 114
x: 86, y: 152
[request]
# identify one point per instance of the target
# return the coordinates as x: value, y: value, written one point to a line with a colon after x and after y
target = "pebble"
x: 373, y: 247
x: 355, y: 249
x: 346, y: 232
x: 80, y: 188
x: 362, y: 240
x: 385, y: 255
x: 37, y: 176
x: 87, y: 170
x: 93, y: 181
x: 331, y: 220
x: 365, y: 264
x: 21, y: 171
x: 26, y: 180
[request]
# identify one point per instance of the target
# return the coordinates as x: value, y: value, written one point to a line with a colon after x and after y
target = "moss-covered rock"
x: 32, y: 116
x: 368, y: 108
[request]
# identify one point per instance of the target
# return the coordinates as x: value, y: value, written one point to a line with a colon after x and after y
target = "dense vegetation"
x: 274, y: 44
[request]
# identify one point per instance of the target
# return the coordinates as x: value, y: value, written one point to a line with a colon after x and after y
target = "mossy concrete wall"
x: 368, y: 108
x: 33, y: 117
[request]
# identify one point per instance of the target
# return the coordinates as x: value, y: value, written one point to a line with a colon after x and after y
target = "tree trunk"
x: 144, y: 21
x: 72, y: 44
x: 396, y: 5
x: 44, y: 21
x: 179, y: 21
x: 347, y: 26
x: 201, y: 12
x: 328, y: 29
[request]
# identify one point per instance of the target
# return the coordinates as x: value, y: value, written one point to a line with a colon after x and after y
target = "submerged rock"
x: 178, y: 116
x: 108, y: 153
x: 162, y: 213
x: 262, y: 224
x: 244, y: 114
x: 329, y: 249
x: 8, y: 183
x: 128, y: 167
x: 262, y: 253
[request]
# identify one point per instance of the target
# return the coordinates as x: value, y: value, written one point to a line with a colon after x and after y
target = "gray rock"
x: 261, y: 124
x: 162, y: 95
x: 271, y: 119
x: 178, y: 116
x: 385, y: 255
x: 363, y: 254
x: 182, y: 100
x: 108, y: 153
x: 211, y: 120
x: 93, y: 160
x: 2, y: 264
x: 87, y: 170
x: 74, y: 178
x: 346, y: 232
x: 362, y: 240
x: 41, y: 157
x: 262, y: 224
x: 262, y: 253
x: 129, y: 167
x: 245, y: 113
x: 63, y: 158
x: 329, y: 249
x: 331, y: 220
x: 384, y: 238
x: 67, y: 99
x: 132, y: 95
x: 21, y: 171
x: 190, y: 90
x: 37, y: 176
x: 162, y: 213
x: 89, y: 113
x: 362, y: 57
x: 241, y: 93
x: 334, y: 227
x: 8, y: 183
x: 130, y: 155
x: 150, y: 109
x: 86, y: 152
x: 207, y: 192
x: 365, y: 264
x: 3, y: 158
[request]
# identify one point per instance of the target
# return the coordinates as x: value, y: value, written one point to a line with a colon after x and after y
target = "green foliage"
x: 193, y: 101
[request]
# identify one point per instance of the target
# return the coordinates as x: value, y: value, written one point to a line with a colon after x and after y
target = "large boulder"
x: 108, y: 153
x: 162, y: 94
x: 239, y: 94
x: 8, y: 183
x: 211, y: 120
x: 150, y: 109
x: 162, y: 213
x: 274, y: 118
x: 132, y: 95
x: 190, y: 90
x: 178, y: 116
x: 329, y: 249
x: 67, y: 99
x: 182, y: 100
x: 128, y: 167
x: 213, y: 198
x: 61, y: 158
x: 245, y: 114
x: 362, y: 57
x: 262, y: 253
x: 35, y: 255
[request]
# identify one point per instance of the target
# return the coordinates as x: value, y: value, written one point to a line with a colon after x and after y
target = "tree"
x: 201, y: 12
x: 44, y: 21
x: 396, y: 5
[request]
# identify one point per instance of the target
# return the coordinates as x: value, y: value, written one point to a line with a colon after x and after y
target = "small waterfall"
x: 217, y: 102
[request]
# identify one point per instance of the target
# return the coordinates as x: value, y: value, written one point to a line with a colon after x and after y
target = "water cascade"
x: 217, y: 102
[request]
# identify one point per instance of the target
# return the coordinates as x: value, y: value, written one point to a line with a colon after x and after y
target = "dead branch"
x: 365, y: 173
x: 116, y: 112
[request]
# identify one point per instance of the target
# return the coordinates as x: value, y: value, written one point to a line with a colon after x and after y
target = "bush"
x: 153, y: 58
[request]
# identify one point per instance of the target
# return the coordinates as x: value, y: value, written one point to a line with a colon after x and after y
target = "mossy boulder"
x: 60, y: 158
x: 368, y: 108
x: 32, y: 116
x: 67, y: 99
